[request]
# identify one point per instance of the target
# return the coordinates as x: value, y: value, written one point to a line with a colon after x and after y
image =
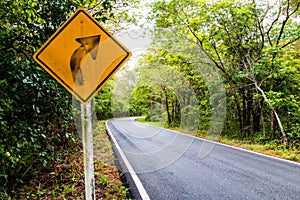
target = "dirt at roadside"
x: 66, y: 179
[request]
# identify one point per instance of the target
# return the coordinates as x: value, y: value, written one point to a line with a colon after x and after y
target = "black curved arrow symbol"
x: 88, y: 45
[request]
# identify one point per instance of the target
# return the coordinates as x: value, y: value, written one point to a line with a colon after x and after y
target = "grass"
x: 270, y: 148
x: 66, y: 180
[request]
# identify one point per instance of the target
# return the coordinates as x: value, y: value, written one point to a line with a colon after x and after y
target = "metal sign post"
x: 87, y: 142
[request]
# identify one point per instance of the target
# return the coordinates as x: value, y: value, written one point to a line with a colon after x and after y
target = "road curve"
x: 168, y: 166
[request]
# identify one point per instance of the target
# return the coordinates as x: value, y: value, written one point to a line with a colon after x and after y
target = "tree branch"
x: 216, y: 51
x: 272, y: 24
x: 262, y: 36
x: 276, y: 115
x: 284, y: 23
x: 290, y: 42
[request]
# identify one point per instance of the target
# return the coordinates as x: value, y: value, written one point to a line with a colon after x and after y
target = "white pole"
x: 87, y: 142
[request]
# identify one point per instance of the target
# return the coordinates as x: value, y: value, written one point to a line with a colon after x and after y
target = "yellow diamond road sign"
x: 82, y: 55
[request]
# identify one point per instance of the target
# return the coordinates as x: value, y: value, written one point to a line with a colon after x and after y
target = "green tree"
x: 238, y: 37
x: 173, y: 84
x: 102, y: 102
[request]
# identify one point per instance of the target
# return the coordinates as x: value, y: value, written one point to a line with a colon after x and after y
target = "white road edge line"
x: 238, y: 148
x: 252, y: 152
x: 144, y: 195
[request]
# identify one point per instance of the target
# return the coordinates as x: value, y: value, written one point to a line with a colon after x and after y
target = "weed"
x: 41, y: 192
x: 68, y: 190
x: 103, y: 180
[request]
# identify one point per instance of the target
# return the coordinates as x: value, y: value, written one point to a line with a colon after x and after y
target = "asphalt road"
x: 168, y: 166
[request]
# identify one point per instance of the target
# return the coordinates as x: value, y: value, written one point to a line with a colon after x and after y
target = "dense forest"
x: 216, y: 67
x: 254, y: 47
x: 219, y: 67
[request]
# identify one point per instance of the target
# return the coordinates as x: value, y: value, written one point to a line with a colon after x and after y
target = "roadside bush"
x: 36, y: 122
x: 35, y: 112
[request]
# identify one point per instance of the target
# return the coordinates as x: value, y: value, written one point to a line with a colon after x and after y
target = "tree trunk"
x: 256, y: 118
x: 262, y: 122
x: 167, y: 103
x: 285, y: 140
x: 256, y: 114
x: 173, y: 106
x: 249, y: 108
x: 239, y: 110
x: 244, y: 112
x: 273, y: 126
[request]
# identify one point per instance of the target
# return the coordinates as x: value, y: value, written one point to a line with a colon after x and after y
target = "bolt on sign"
x: 82, y: 55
